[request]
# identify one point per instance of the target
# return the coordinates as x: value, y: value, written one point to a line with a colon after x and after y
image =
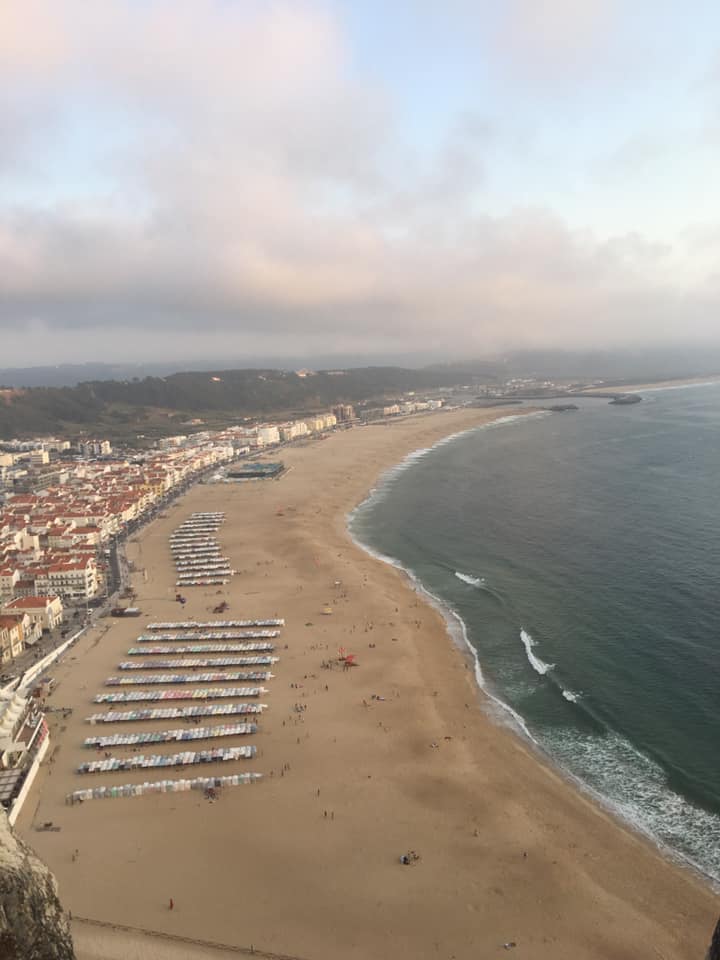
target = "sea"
x: 577, y: 555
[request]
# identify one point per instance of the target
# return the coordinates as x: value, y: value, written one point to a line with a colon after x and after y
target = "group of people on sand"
x: 409, y: 858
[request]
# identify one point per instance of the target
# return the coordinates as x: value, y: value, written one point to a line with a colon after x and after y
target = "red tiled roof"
x: 23, y: 602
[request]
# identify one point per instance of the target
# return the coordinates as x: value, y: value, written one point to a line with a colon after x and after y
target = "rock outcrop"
x: 33, y: 925
x: 714, y: 951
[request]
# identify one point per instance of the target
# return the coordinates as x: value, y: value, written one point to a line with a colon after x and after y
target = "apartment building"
x: 45, y: 611
x: 74, y: 582
x: 11, y: 637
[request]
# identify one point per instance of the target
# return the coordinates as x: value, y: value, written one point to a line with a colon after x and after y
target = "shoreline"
x: 495, y: 708
x: 455, y: 625
x: 586, y: 886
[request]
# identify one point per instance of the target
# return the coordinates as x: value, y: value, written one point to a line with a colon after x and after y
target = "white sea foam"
x: 535, y: 662
x: 471, y: 581
x: 633, y: 786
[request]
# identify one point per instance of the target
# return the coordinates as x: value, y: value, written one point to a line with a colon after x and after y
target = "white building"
x: 268, y: 435
x: 23, y: 743
x: 293, y: 430
x: 9, y: 576
x: 95, y: 448
x: 75, y: 581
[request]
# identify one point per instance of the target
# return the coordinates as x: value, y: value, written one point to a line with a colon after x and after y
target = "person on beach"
x: 171, y: 905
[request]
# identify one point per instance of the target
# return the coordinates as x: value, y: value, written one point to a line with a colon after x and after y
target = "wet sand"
x: 307, y: 863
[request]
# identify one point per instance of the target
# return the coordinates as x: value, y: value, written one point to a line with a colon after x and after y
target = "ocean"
x: 579, y: 553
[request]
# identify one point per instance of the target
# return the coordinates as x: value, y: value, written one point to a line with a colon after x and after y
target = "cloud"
x: 523, y: 278
x: 536, y: 41
x: 265, y: 198
x: 552, y: 36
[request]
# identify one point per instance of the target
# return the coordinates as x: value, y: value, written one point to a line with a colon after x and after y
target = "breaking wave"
x: 545, y: 669
x: 535, y: 662
x: 471, y: 581
x: 571, y: 695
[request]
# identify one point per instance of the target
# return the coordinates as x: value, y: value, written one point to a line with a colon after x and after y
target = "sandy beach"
x: 657, y: 385
x: 306, y: 862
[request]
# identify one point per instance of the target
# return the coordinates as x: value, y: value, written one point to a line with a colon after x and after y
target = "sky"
x: 183, y: 179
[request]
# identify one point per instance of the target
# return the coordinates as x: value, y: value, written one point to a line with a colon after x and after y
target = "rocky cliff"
x: 714, y: 951
x: 33, y: 925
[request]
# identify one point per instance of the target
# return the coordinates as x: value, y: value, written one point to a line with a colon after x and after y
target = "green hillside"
x: 155, y: 405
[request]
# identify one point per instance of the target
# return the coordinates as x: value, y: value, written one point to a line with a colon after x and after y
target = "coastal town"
x: 67, y: 509
x: 62, y: 506
x: 70, y: 505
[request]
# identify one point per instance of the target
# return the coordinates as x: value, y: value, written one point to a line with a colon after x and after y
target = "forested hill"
x: 160, y: 403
